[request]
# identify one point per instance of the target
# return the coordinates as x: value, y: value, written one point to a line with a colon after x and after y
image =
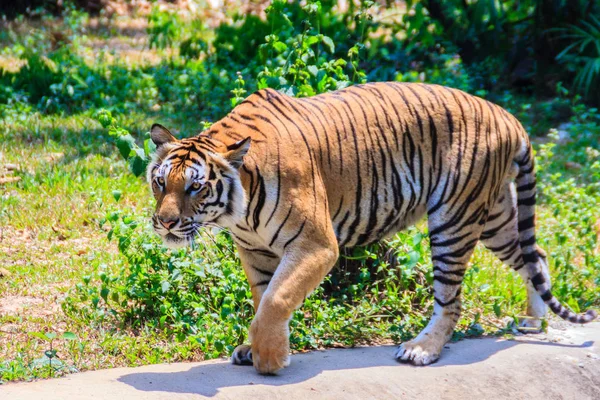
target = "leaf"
x: 290, y: 91
x: 311, y: 40
x: 280, y: 47
x: 105, y: 118
x: 69, y: 336
x: 39, y: 335
x: 125, y: 144
x: 149, y: 147
x: 138, y: 162
x: 50, y: 353
x: 41, y: 362
x: 414, y: 258
x: 497, y: 309
x: 417, y: 239
x: 262, y: 84
x: 51, y: 335
x: 45, y: 361
x: 328, y: 43
x: 104, y: 293
x: 263, y: 51
x: 117, y: 195
x: 165, y: 286
x: 341, y: 84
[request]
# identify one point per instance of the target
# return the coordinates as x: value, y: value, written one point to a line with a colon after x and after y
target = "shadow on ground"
x: 208, y: 378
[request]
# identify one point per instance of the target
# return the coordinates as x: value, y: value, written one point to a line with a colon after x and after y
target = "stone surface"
x: 562, y: 364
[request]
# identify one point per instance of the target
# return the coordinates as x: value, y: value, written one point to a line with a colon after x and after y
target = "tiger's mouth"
x: 173, y: 241
x: 183, y: 235
x: 173, y: 238
x: 180, y: 239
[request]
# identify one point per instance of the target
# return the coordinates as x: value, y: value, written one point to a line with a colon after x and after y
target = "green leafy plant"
x: 583, y: 55
x: 136, y: 156
x: 298, y: 66
x: 199, y: 295
x: 163, y: 28
x: 239, y: 91
x: 50, y: 357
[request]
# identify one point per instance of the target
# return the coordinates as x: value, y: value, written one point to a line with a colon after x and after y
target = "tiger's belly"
x: 373, y: 220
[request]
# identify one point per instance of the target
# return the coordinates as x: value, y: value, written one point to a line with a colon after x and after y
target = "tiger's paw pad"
x: 416, y: 353
x: 530, y: 325
x: 269, y: 363
x: 242, y: 355
x: 270, y: 346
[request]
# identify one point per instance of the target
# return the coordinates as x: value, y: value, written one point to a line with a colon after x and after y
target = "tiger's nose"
x: 168, y: 223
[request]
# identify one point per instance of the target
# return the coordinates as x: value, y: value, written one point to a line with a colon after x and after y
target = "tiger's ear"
x: 161, y: 135
x: 235, y: 152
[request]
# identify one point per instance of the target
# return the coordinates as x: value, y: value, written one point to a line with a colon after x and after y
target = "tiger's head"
x: 196, y: 183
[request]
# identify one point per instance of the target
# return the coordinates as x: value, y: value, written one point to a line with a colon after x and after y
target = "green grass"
x: 131, y: 302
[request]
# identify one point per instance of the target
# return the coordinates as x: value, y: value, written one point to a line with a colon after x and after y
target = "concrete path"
x: 563, y: 364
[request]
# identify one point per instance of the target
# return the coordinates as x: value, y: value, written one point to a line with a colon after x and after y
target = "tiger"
x: 294, y: 180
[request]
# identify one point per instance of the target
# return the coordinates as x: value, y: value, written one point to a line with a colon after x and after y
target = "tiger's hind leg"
x: 501, y: 236
x: 453, y: 235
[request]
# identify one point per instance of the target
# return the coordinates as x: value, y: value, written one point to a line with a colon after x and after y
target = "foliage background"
x: 80, y: 85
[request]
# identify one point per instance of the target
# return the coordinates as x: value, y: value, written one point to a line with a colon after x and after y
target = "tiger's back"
x: 385, y: 152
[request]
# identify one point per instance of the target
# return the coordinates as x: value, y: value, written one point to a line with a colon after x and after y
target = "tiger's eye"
x: 196, y: 186
x: 161, y: 181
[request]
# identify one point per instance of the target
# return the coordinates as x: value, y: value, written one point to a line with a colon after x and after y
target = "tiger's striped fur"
x: 348, y: 168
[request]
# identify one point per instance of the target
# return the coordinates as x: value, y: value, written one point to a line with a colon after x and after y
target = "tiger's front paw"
x: 270, y: 346
x: 419, y: 352
x: 242, y: 355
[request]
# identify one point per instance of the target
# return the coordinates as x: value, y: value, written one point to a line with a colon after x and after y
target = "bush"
x: 188, y: 294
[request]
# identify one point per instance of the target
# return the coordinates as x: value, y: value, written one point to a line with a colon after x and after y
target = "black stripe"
x: 502, y: 247
x: 262, y: 196
x: 530, y: 257
x: 295, y: 236
x: 280, y: 227
x: 278, y: 184
x: 262, y: 252
x: 263, y: 271
x: 446, y: 281
x: 528, y: 242
x: 538, y: 279
x: 546, y: 296
x: 265, y: 282
x: 529, y: 201
x: 449, y: 241
x: 527, y: 223
x: 526, y: 187
x: 457, y: 272
x: 447, y: 303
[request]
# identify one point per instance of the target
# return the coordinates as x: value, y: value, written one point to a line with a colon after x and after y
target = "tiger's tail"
x: 526, y: 193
